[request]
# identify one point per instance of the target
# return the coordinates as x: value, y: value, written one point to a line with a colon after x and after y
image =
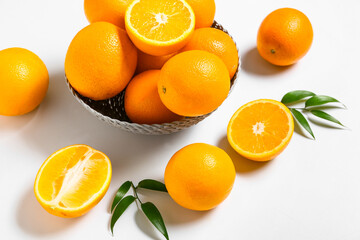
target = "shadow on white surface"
x: 145, y: 226
x: 61, y: 121
x: 34, y: 220
x: 253, y: 63
x: 301, y: 131
x: 242, y: 165
x: 14, y: 124
x: 325, y: 124
x: 172, y: 213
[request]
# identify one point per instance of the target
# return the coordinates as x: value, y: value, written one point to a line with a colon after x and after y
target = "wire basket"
x: 112, y: 110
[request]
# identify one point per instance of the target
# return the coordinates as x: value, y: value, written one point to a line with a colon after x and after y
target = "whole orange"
x: 112, y: 11
x: 100, y: 61
x: 194, y: 83
x: 150, y: 62
x: 142, y: 100
x: 24, y: 81
x: 284, y: 37
x: 204, y: 12
x: 217, y: 42
x: 199, y: 176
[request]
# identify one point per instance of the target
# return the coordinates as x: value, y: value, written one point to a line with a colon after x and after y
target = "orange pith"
x: 72, y: 180
x: 159, y: 27
x: 260, y: 130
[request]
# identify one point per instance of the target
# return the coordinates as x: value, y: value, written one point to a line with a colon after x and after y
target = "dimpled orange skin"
x: 100, y: 61
x: 204, y: 12
x: 142, y: 100
x: 24, y: 81
x: 217, y: 42
x: 284, y: 37
x: 199, y: 176
x: 112, y: 11
x: 150, y: 62
x: 194, y: 83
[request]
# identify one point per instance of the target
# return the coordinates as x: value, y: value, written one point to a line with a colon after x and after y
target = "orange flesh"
x: 164, y: 21
x: 72, y: 177
x: 260, y: 127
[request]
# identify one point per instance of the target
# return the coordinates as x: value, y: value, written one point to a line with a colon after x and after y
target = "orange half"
x: 159, y: 27
x: 260, y: 130
x: 72, y: 180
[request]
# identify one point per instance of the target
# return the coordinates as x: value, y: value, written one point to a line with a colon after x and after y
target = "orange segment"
x: 261, y: 130
x: 73, y: 180
x: 159, y: 27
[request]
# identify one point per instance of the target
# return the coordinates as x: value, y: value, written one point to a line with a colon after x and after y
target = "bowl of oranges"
x: 153, y: 67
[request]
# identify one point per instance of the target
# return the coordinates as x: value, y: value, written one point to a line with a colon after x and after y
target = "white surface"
x: 309, y: 192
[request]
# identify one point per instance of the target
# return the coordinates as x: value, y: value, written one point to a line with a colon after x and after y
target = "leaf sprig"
x: 121, y: 203
x: 312, y: 101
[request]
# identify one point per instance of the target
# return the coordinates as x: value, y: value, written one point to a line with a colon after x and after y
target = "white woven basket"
x: 112, y: 111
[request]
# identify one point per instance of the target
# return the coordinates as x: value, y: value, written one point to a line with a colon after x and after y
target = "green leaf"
x: 152, y: 185
x: 302, y: 120
x: 320, y: 100
x: 153, y: 214
x: 120, y: 209
x: 120, y: 194
x: 297, y: 95
x: 326, y: 116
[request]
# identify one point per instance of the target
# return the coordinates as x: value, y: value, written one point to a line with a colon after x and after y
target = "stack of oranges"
x: 163, y: 53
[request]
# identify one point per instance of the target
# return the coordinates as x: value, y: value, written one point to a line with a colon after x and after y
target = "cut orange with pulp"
x: 260, y: 130
x: 72, y: 180
x: 159, y: 27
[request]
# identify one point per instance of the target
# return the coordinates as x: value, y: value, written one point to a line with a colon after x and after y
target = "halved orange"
x: 72, y: 180
x: 260, y: 130
x: 159, y: 27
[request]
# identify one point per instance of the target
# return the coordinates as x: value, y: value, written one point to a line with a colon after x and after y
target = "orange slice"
x: 72, y: 180
x: 159, y: 27
x: 261, y: 130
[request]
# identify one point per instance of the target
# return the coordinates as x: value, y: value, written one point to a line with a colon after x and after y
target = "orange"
x: 150, y: 62
x: 260, y: 130
x: 100, y: 61
x: 159, y: 27
x: 204, y: 12
x: 24, y: 81
x: 199, y: 176
x: 72, y: 181
x: 142, y: 100
x: 217, y: 42
x: 194, y: 83
x: 284, y: 37
x: 112, y: 11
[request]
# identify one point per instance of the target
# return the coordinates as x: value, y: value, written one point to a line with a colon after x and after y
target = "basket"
x: 112, y: 110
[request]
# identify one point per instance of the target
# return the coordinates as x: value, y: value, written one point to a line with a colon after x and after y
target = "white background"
x: 311, y: 191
